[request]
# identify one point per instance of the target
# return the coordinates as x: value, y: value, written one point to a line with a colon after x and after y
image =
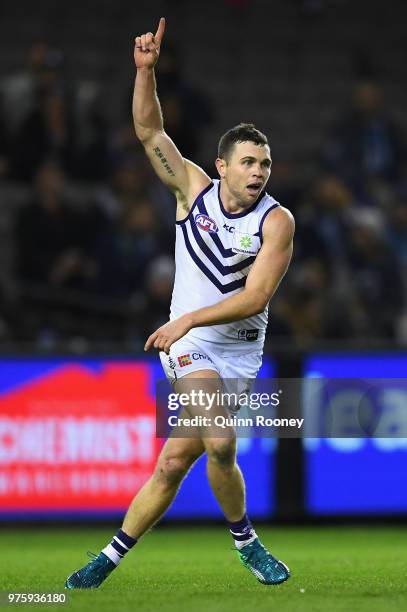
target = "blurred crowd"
x: 92, y: 240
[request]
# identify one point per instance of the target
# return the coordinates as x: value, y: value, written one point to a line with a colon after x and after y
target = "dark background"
x: 86, y: 230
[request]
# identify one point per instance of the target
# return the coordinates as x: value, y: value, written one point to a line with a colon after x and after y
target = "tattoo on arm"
x: 164, y: 161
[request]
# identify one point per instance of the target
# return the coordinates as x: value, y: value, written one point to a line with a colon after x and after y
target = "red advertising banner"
x: 77, y: 438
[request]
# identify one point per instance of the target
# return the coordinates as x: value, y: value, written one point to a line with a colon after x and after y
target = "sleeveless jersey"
x: 214, y: 252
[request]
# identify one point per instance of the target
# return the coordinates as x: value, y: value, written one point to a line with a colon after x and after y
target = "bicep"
x: 167, y: 162
x: 274, y: 256
x: 183, y: 177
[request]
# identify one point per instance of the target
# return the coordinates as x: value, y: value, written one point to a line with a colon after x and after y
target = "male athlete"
x: 233, y: 246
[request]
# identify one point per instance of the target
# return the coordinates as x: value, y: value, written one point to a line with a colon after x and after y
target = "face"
x: 246, y: 172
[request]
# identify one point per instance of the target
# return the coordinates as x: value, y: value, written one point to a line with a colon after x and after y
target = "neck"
x: 230, y: 203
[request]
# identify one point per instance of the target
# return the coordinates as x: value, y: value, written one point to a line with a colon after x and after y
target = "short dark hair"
x: 244, y: 132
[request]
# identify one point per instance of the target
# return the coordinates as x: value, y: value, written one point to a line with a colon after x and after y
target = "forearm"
x: 235, y: 308
x: 147, y: 114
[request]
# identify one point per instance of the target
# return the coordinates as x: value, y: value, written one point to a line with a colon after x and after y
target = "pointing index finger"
x: 160, y: 31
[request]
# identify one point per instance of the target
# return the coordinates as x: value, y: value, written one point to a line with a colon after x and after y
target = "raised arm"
x: 183, y: 177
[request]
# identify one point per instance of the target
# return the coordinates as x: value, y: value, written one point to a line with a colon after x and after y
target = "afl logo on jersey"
x: 206, y: 224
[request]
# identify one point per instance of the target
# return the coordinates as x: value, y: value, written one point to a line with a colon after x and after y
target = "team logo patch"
x: 206, y: 224
x: 184, y: 360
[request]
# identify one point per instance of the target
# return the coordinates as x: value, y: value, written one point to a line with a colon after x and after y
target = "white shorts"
x: 234, y: 361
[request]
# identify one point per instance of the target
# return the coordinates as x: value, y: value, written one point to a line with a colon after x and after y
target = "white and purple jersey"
x: 214, y: 252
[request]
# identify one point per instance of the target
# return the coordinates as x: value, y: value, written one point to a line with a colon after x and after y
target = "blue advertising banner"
x: 363, y: 475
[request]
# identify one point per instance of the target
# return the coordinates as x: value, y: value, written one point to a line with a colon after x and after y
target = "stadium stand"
x: 71, y: 67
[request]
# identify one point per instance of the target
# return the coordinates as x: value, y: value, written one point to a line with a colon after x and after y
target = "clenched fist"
x: 147, y: 47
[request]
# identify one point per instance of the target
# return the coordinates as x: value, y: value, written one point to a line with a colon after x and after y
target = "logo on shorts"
x: 196, y: 356
x: 172, y: 363
x: 184, y: 360
x: 206, y: 224
x: 248, y: 335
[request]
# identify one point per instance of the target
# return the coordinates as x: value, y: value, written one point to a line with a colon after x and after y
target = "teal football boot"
x: 91, y: 575
x: 266, y: 568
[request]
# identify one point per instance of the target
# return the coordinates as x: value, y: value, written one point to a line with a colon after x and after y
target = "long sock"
x: 242, y: 532
x: 119, y: 546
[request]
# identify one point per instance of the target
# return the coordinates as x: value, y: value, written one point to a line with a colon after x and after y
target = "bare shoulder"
x: 279, y: 225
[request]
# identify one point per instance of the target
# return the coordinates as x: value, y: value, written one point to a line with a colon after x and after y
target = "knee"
x: 222, y: 452
x: 171, y: 470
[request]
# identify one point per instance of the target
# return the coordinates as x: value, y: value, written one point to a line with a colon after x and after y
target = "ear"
x: 221, y: 167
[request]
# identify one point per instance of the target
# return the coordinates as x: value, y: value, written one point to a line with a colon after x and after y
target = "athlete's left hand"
x: 167, y: 334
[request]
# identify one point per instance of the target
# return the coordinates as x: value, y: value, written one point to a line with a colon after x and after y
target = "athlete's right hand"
x: 147, y: 47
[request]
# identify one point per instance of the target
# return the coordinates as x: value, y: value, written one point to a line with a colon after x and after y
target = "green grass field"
x: 196, y: 570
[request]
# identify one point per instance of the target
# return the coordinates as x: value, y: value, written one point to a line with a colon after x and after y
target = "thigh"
x: 208, y: 415
x: 203, y: 387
